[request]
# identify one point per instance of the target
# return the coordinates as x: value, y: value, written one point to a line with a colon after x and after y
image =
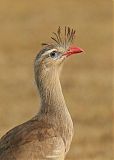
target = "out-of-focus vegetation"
x: 86, y: 78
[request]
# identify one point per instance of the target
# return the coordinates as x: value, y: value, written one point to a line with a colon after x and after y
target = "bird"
x: 48, y: 134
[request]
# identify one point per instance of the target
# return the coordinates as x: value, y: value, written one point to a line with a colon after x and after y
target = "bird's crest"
x: 63, y: 40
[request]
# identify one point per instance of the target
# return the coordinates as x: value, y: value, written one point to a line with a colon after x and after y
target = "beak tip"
x: 82, y: 50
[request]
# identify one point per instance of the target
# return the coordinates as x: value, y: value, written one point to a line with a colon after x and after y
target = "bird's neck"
x: 53, y: 108
x: 49, y: 87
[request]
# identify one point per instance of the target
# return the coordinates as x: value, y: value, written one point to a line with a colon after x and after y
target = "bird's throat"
x: 49, y: 87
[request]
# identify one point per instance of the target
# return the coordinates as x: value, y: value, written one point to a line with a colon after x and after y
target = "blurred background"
x: 86, y: 78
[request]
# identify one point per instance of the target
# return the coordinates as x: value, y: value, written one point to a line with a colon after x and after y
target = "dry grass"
x: 86, y: 79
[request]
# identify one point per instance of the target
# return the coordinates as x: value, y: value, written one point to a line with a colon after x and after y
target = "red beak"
x: 73, y: 50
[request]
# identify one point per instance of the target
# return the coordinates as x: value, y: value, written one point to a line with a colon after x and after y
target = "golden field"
x: 86, y: 78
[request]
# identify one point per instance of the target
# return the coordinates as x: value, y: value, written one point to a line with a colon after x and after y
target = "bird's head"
x: 53, y: 55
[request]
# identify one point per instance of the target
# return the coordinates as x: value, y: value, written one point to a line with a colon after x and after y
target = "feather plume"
x: 63, y: 40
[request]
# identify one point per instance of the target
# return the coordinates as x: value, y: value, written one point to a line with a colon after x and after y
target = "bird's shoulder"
x: 36, y: 137
x: 34, y: 128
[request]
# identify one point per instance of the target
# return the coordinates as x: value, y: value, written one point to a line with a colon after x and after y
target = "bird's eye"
x: 54, y: 55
